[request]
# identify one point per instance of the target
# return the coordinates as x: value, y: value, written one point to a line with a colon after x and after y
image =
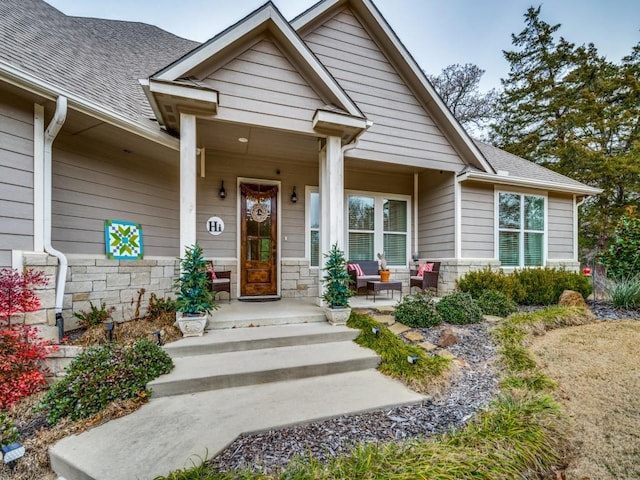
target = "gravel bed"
x: 470, y: 390
x: 604, y: 310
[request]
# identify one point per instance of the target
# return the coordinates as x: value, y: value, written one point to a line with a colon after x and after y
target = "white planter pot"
x: 337, y: 316
x: 192, y: 326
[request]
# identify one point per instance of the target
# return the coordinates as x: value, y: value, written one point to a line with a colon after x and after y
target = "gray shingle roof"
x: 100, y: 60
x: 521, y: 168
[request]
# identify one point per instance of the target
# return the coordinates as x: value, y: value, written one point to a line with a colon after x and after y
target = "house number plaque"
x: 259, y: 212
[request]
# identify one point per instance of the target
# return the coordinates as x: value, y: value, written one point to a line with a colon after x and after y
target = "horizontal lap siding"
x: 263, y: 86
x: 436, y: 215
x: 227, y: 167
x: 477, y: 221
x: 402, y: 131
x: 560, y: 216
x: 16, y: 177
x: 88, y: 190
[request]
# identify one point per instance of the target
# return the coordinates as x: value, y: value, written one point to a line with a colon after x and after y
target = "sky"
x: 437, y: 33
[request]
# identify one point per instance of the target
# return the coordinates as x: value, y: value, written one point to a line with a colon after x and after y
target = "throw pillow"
x: 425, y: 267
x: 356, y: 268
x: 211, y: 271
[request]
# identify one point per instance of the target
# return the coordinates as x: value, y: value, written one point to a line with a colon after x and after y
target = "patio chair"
x: 428, y: 279
x: 369, y: 270
x: 220, y: 281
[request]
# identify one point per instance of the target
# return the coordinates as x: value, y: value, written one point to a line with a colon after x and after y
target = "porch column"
x: 188, y: 175
x: 331, y: 196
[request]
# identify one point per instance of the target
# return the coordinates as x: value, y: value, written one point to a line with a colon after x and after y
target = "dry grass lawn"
x: 597, y: 367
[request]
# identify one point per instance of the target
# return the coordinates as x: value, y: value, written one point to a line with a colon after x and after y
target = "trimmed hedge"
x: 459, y: 308
x: 531, y: 286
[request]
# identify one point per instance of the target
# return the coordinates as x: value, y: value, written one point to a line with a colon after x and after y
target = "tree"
x: 459, y: 87
x: 571, y: 110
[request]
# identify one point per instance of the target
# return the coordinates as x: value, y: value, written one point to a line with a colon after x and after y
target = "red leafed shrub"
x: 21, y: 349
x: 22, y: 371
x: 16, y: 292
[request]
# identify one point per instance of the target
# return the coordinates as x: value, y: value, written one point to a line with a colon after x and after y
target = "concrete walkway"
x: 171, y: 432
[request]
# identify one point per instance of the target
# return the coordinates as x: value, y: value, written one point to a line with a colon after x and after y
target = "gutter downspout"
x: 354, y: 142
x: 50, y: 134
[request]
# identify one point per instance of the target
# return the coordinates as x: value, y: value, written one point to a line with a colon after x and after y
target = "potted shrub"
x: 336, y: 287
x: 383, y: 271
x: 194, y: 297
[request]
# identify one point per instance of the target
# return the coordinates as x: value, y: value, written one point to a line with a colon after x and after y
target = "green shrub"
x: 625, y: 292
x: 160, y: 306
x: 476, y: 283
x: 102, y: 374
x: 417, y: 311
x: 493, y: 302
x: 622, y: 256
x: 459, y: 308
x: 530, y: 286
x: 95, y: 316
x: 8, y: 431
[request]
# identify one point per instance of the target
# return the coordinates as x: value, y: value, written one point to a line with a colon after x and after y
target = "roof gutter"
x: 525, y: 182
x: 50, y: 134
x: 30, y: 83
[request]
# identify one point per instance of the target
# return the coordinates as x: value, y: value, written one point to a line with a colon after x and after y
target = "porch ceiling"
x: 261, y: 142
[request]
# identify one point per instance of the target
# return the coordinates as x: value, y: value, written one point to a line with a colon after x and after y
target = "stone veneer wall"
x: 452, y: 269
x: 97, y: 280
x: 298, y: 279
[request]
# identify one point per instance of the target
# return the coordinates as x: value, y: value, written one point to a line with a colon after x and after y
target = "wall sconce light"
x: 294, y: 195
x: 222, y: 193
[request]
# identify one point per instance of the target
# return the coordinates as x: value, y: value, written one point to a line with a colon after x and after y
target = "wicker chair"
x: 222, y: 282
x: 370, y: 270
x: 429, y: 280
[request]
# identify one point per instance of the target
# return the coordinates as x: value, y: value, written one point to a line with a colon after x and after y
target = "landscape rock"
x: 570, y: 298
x: 447, y: 337
x: 492, y: 319
x: 445, y: 354
x: 398, y: 328
x: 427, y: 346
x: 414, y: 336
x: 386, y: 319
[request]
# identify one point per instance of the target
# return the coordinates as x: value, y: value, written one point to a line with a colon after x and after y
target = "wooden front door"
x: 259, y: 240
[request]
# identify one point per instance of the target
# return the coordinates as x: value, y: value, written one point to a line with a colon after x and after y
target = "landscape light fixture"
x: 375, y: 330
x: 222, y: 193
x: 158, y: 335
x: 413, y: 359
x: 109, y: 328
x: 11, y: 453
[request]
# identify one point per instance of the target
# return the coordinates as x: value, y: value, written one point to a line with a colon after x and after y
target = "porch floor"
x: 239, y: 314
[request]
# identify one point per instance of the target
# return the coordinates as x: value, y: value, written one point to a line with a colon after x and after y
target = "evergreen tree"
x: 571, y: 110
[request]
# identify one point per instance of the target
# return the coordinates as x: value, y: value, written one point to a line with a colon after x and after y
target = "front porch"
x: 239, y: 314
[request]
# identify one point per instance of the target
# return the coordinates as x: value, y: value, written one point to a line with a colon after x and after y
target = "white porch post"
x: 188, y: 175
x: 331, y: 199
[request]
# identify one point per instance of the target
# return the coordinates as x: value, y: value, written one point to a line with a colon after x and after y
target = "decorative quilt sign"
x: 123, y: 240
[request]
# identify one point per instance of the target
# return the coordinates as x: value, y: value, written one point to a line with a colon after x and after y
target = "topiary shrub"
x: 417, y: 311
x: 102, y: 374
x: 459, y: 308
x: 493, y: 302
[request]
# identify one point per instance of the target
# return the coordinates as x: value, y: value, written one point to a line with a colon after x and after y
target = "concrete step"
x: 169, y: 432
x: 242, y: 314
x: 242, y: 339
x: 234, y: 369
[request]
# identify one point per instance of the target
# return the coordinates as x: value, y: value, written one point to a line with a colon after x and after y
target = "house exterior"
x: 267, y: 144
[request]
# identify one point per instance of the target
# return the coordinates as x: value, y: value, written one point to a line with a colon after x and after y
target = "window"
x: 378, y: 224
x: 374, y: 223
x: 521, y: 229
x: 314, y: 227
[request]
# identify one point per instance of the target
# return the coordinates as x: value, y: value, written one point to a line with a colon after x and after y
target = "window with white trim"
x: 378, y: 223
x: 313, y: 228
x: 521, y: 229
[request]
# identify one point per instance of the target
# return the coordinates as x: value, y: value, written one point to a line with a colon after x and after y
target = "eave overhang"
x: 32, y: 84
x: 527, y: 183
x: 348, y: 127
x: 168, y: 99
